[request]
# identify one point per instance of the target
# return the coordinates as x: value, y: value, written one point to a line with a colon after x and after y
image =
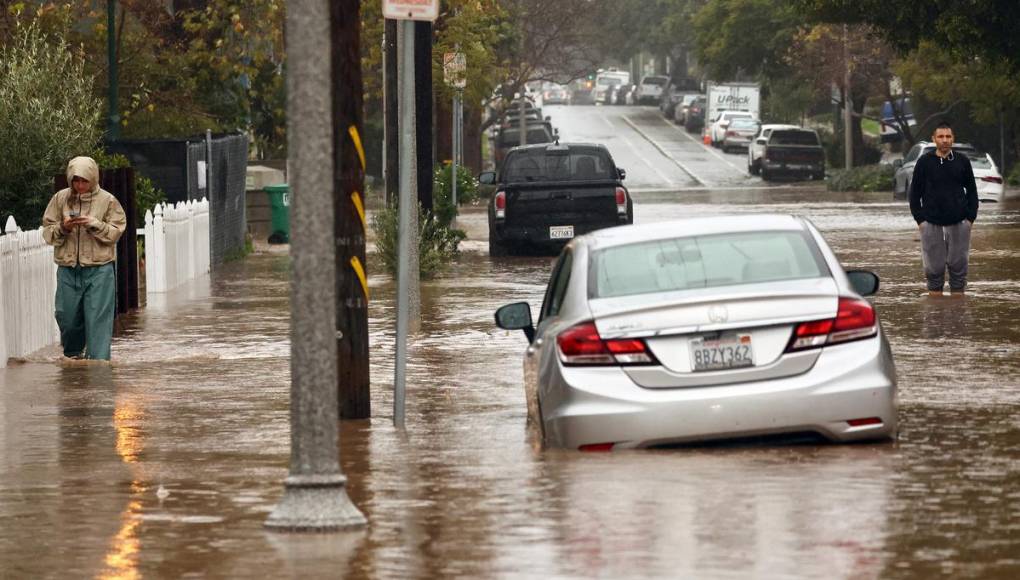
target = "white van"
x: 607, y: 79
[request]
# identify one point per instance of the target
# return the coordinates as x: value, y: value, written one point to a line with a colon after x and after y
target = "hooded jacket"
x: 94, y: 244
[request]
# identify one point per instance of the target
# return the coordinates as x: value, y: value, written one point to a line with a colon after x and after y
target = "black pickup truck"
x: 548, y: 194
x: 792, y: 152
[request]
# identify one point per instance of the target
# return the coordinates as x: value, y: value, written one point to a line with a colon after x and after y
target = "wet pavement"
x: 196, y: 405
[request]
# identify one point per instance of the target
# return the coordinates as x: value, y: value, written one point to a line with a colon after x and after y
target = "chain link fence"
x: 213, y: 167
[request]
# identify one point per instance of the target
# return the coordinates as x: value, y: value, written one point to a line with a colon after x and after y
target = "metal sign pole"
x: 405, y: 206
x: 453, y: 175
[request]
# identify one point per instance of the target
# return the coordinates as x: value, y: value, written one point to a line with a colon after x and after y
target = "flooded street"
x: 196, y: 405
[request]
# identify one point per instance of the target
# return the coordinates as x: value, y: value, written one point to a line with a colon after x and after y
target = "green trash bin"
x: 279, y: 202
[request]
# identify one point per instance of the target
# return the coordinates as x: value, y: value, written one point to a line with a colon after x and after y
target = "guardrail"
x: 28, y: 285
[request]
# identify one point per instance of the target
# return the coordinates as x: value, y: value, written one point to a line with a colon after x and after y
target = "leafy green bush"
x: 442, y: 191
x: 863, y: 178
x: 48, y: 115
x: 437, y: 243
x: 1014, y: 176
x: 833, y: 143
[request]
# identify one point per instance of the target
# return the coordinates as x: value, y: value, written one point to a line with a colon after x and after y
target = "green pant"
x: 85, y: 304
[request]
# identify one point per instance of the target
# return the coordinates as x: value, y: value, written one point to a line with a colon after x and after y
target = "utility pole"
x: 848, y: 138
x: 315, y: 496
x: 423, y: 96
x: 391, y: 95
x: 353, y: 394
x: 113, y: 118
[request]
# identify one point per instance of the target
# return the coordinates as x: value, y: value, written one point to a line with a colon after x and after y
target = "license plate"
x: 561, y: 232
x: 729, y: 351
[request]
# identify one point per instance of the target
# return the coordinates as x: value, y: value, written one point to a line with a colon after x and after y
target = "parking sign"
x: 411, y: 9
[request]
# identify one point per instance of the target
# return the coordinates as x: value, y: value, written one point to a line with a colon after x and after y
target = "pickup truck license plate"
x: 729, y: 351
x: 561, y: 232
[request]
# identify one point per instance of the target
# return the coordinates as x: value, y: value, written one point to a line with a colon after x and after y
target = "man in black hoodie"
x: 944, y: 202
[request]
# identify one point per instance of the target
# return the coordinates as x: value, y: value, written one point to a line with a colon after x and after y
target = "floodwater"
x: 167, y: 463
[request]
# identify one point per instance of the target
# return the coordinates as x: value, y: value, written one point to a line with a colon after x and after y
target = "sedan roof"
x: 699, y: 226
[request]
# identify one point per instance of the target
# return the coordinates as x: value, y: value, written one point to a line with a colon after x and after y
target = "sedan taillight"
x: 500, y: 203
x: 855, y: 319
x: 581, y: 345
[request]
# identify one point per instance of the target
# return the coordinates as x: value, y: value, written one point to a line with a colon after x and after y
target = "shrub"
x: 48, y: 115
x: 437, y: 243
x: 442, y: 191
x: 1014, y: 176
x: 833, y: 143
x: 863, y: 178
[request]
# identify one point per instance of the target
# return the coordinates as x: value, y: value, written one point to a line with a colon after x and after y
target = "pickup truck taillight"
x: 500, y: 203
x: 992, y: 179
x: 621, y: 201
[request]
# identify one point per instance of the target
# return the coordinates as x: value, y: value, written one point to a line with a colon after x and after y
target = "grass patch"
x: 863, y: 178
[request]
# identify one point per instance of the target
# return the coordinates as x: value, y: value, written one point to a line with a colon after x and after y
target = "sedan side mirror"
x: 864, y: 282
x: 487, y: 178
x: 622, y: 173
x: 760, y: 141
x: 516, y: 316
x: 897, y: 163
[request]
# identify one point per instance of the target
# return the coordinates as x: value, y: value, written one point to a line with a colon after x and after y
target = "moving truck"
x: 733, y: 97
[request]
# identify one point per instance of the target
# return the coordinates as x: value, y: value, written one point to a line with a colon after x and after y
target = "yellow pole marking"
x: 357, y: 144
x: 356, y: 198
x: 356, y: 264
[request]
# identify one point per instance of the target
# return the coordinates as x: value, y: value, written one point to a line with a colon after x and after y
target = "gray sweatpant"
x: 945, y: 247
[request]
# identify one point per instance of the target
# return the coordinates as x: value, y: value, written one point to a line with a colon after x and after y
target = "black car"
x: 548, y: 194
x: 792, y: 152
x: 694, y: 119
x: 510, y: 137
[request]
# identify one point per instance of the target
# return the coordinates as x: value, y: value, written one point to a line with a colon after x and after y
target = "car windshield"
x: 704, y: 262
x: 793, y: 137
x: 540, y: 164
x: 512, y: 137
x: 655, y: 81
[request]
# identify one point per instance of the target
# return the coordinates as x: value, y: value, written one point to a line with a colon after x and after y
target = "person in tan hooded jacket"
x: 83, y: 223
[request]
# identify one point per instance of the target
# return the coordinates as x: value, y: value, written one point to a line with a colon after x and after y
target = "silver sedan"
x: 705, y: 329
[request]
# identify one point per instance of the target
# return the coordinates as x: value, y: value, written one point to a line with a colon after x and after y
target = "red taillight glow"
x: 863, y: 422
x: 582, y: 345
x: 731, y: 133
x: 597, y: 447
x: 855, y: 319
x: 500, y: 204
x: 992, y: 179
x: 621, y: 201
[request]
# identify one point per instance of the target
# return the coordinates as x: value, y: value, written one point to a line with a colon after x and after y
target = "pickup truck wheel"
x: 753, y: 168
x: 497, y: 247
x: 765, y: 175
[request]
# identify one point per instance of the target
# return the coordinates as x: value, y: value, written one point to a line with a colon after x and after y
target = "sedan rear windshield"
x: 793, y: 137
x: 558, y: 165
x: 704, y: 262
x: 512, y: 137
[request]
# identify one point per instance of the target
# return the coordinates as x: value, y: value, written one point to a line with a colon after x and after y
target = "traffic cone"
x: 706, y: 139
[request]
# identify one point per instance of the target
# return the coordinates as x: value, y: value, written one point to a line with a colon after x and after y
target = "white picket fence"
x: 28, y: 285
x: 176, y: 244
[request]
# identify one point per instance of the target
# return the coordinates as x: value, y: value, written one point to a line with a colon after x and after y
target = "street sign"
x: 454, y: 69
x: 411, y: 9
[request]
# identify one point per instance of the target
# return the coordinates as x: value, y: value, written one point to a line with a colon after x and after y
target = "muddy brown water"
x: 196, y: 402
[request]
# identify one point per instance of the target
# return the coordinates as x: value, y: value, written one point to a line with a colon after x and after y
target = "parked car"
x: 607, y: 79
x: 706, y: 328
x: 510, y: 137
x: 649, y: 90
x: 717, y: 129
x: 548, y: 194
x: 680, y: 111
x: 986, y: 174
x: 694, y: 118
x: 739, y: 134
x: 555, y: 96
x: 792, y: 152
x: 757, y: 146
x: 674, y: 93
x: 618, y: 94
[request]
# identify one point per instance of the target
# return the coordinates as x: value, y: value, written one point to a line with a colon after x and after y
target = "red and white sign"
x: 411, y: 9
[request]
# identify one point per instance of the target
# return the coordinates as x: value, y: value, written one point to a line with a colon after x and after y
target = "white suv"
x: 650, y: 89
x: 757, y: 146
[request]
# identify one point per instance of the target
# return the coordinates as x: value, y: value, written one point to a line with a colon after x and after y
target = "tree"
x: 48, y: 114
x: 744, y: 38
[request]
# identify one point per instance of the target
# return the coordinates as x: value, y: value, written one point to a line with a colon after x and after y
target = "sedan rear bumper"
x: 602, y: 405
